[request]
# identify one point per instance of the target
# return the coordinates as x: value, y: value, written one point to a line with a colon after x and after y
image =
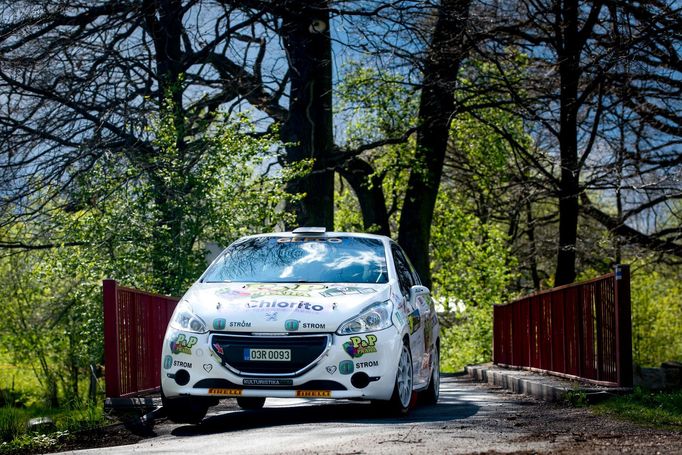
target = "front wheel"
x: 250, y: 402
x: 401, y: 400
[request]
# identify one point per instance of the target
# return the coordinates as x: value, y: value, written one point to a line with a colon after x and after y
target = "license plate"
x: 267, y: 355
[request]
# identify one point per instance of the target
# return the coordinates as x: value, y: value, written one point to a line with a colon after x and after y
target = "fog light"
x: 182, y: 377
x: 359, y: 380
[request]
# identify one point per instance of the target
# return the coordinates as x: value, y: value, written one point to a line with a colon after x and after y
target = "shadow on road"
x: 448, y: 408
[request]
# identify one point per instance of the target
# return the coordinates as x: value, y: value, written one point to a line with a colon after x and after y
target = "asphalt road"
x: 469, y: 418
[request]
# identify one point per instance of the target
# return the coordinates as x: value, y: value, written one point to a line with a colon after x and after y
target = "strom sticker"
x: 357, y: 347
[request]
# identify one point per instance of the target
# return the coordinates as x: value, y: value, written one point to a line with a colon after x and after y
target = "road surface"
x: 469, y: 418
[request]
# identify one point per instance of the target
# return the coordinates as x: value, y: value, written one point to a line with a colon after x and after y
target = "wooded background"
x: 507, y: 146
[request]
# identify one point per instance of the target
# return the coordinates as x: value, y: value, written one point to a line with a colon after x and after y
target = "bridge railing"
x: 581, y: 331
x: 134, y: 326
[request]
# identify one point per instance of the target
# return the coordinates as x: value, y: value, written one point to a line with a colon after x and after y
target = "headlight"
x: 377, y: 316
x: 185, y: 319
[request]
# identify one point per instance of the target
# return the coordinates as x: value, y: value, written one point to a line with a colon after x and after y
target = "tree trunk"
x: 569, y: 71
x: 308, y: 129
x: 436, y: 109
x: 367, y: 187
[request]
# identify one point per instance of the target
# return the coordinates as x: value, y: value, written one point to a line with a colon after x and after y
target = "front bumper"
x: 361, y: 366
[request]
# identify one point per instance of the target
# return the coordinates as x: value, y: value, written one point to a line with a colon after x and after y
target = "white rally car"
x: 307, y: 314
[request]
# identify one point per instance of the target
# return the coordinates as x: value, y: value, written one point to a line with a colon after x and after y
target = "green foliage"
x: 375, y: 106
x: 14, y: 425
x: 656, y: 314
x: 658, y: 409
x: 472, y: 269
x: 143, y: 218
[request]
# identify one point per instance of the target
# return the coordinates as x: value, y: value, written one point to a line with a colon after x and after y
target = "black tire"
x: 403, y: 396
x: 430, y: 396
x: 184, y: 409
x: 251, y: 402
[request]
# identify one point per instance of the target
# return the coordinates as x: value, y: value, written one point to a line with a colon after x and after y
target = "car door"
x: 413, y: 293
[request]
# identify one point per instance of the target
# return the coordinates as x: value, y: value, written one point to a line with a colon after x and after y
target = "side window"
x: 402, y: 268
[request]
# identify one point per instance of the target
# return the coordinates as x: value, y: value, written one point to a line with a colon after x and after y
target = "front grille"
x: 305, y: 351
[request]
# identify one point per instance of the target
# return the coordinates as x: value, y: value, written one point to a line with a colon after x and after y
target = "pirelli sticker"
x: 313, y: 394
x: 226, y: 392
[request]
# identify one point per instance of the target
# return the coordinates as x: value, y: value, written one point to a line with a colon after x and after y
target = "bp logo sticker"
x: 167, y: 362
x: 291, y: 325
x: 346, y: 367
x: 219, y: 324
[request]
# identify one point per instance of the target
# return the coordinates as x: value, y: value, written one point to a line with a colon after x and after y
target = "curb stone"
x: 540, y: 386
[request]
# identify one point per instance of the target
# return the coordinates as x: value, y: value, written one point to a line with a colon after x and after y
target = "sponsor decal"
x: 331, y: 369
x: 313, y: 393
x: 357, y: 347
x: 218, y: 348
x: 291, y: 325
x: 346, y: 367
x: 231, y: 292
x: 219, y: 324
x: 415, y: 321
x: 368, y: 364
x: 167, y: 362
x: 271, y: 316
x: 346, y: 290
x: 259, y: 290
x: 226, y: 392
x: 309, y: 239
x: 180, y: 363
x: 208, y: 367
x: 182, y: 345
x: 268, y: 381
x: 314, y: 325
x: 300, y: 306
x: 240, y: 324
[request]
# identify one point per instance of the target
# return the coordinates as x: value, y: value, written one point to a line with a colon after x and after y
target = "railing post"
x: 111, y: 337
x: 623, y: 326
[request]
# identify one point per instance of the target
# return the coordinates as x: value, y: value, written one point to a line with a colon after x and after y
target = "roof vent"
x: 310, y: 230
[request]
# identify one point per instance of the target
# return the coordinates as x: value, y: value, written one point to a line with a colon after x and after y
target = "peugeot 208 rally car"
x: 303, y: 314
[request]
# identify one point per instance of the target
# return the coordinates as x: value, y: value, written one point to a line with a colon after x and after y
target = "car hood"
x: 281, y: 307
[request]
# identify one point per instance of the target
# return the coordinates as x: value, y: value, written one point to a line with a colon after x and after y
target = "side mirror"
x: 417, y: 290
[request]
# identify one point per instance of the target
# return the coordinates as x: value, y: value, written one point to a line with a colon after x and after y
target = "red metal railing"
x: 581, y: 330
x: 134, y: 325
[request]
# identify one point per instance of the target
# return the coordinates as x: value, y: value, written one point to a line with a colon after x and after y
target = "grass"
x: 22, y: 400
x: 644, y: 407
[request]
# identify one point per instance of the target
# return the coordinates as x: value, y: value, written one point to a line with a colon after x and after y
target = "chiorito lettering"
x: 370, y: 364
x: 226, y: 392
x: 282, y: 304
x: 180, y: 363
x: 313, y: 393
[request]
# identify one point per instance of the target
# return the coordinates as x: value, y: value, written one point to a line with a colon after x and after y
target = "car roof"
x: 302, y: 233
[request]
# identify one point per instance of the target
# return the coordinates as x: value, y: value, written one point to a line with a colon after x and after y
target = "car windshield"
x: 301, y: 260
